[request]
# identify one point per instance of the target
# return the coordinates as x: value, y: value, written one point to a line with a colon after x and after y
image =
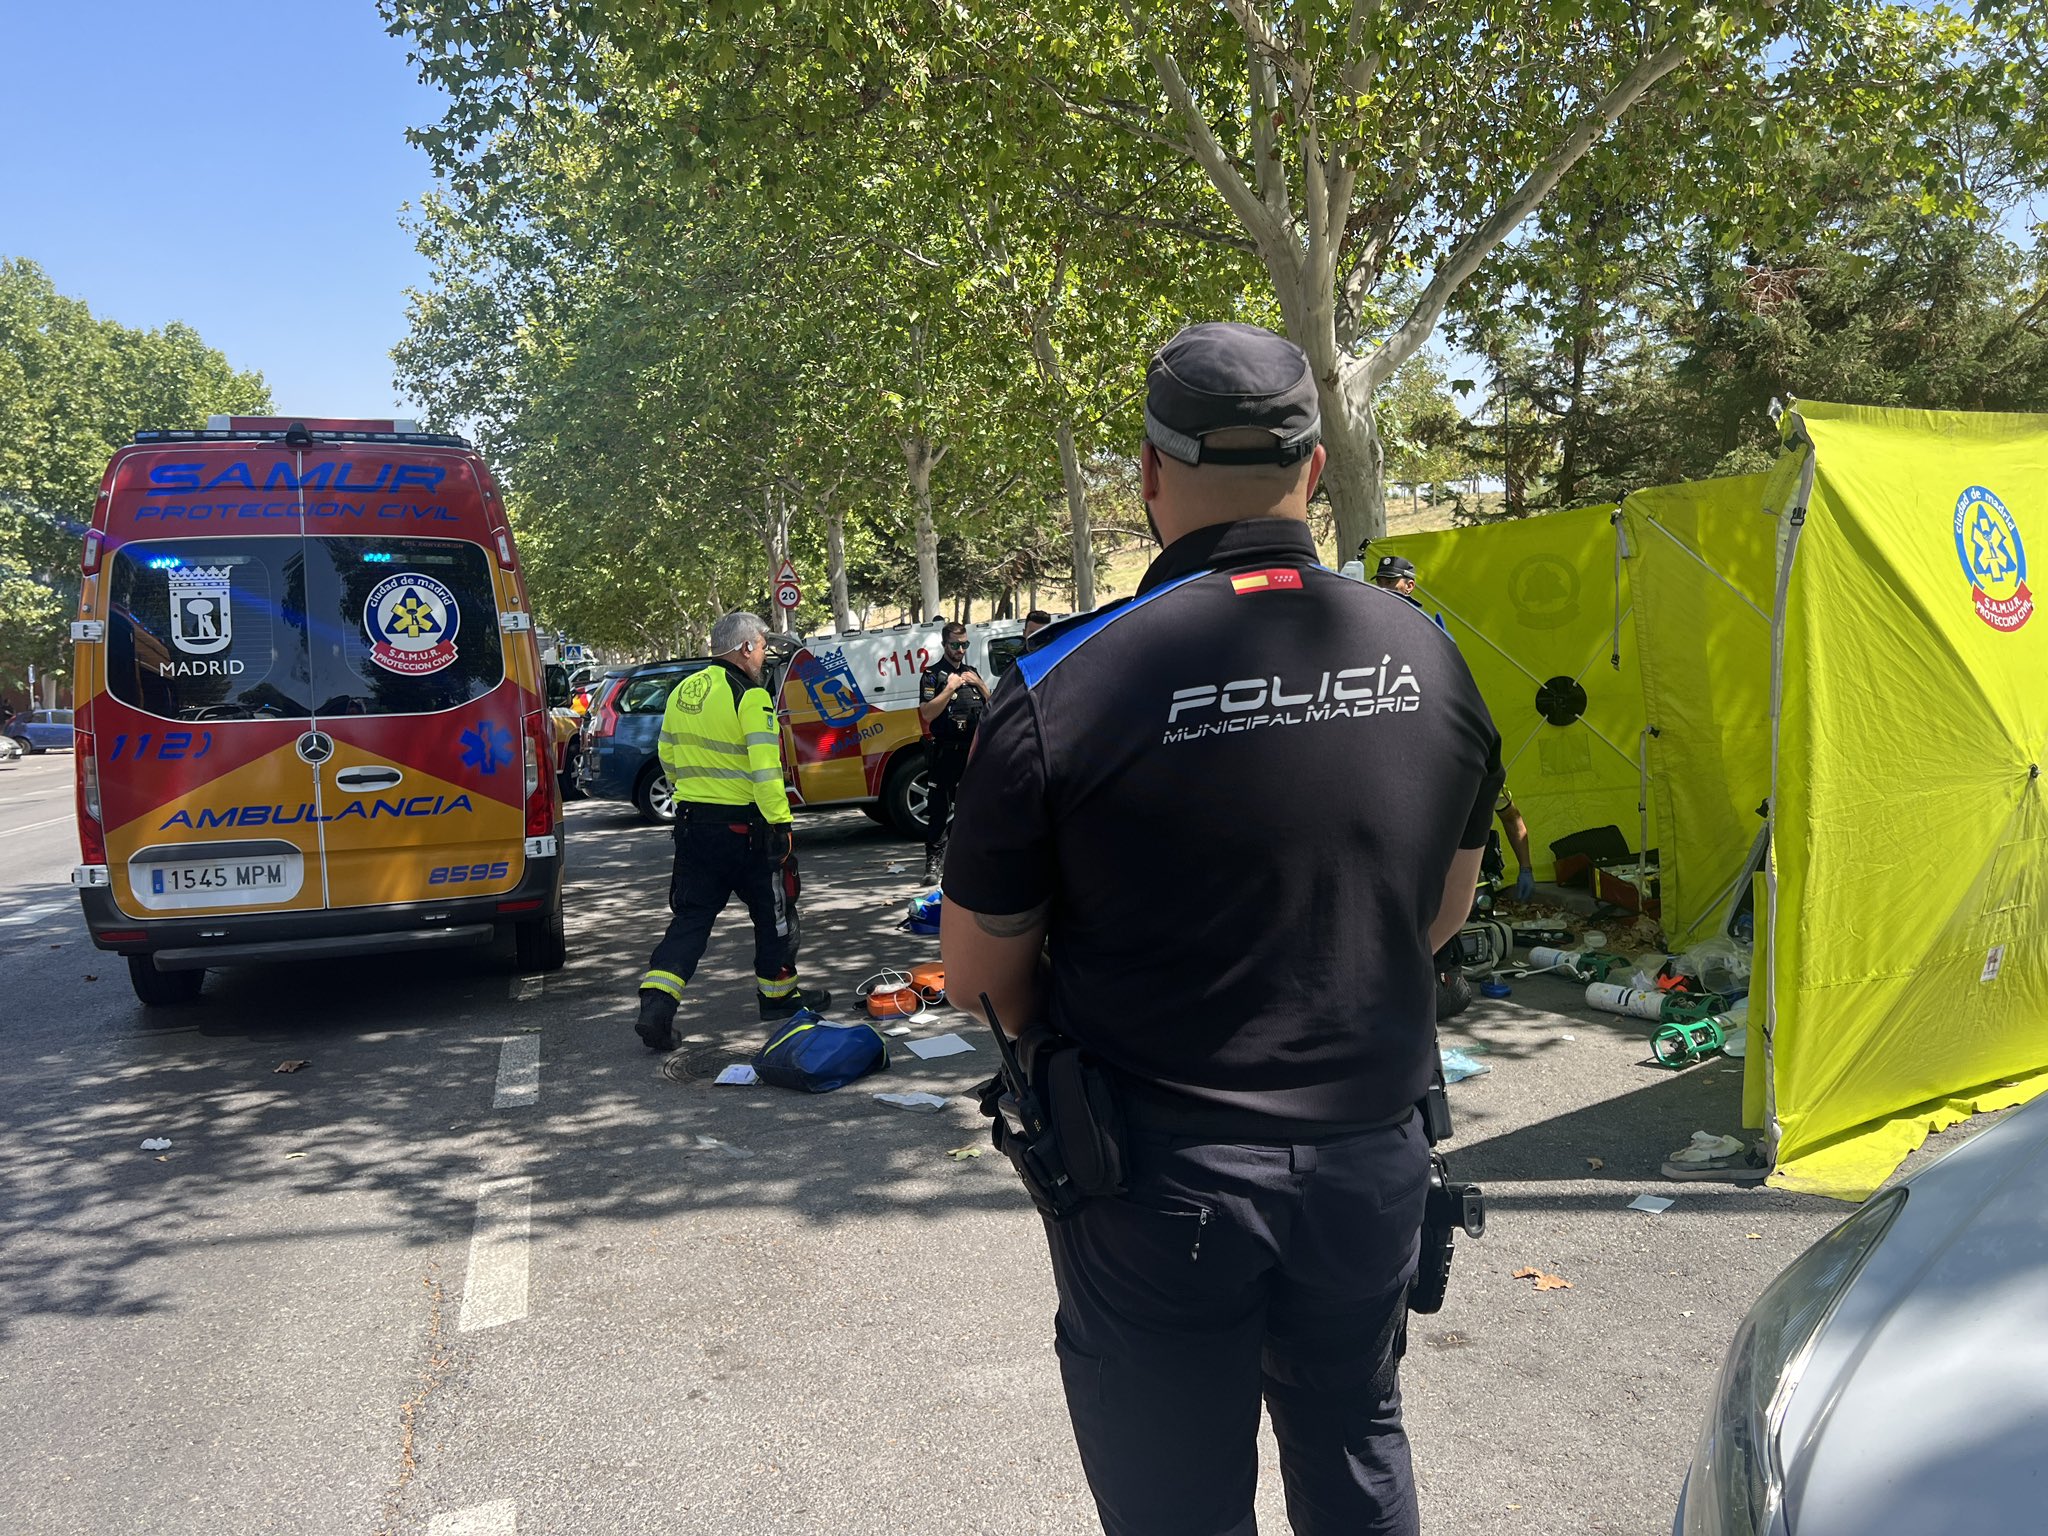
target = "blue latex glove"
x: 1525, y: 885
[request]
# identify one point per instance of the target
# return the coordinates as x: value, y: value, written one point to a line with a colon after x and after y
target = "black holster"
x: 1448, y: 1208
x: 1053, y: 1113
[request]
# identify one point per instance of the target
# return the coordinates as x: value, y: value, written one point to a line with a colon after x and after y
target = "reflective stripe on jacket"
x: 719, y: 744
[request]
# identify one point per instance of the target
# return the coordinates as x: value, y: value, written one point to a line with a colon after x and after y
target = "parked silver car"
x: 1894, y: 1379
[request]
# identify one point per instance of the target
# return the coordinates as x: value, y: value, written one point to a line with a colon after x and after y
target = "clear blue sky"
x: 238, y: 166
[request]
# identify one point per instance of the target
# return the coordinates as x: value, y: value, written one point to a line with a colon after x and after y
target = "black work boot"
x: 773, y: 1008
x: 656, y: 1025
x: 934, y: 865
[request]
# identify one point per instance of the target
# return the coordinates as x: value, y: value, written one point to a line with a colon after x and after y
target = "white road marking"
x: 500, y: 1517
x: 36, y: 825
x: 495, y: 1290
x: 518, y: 1072
x: 34, y: 914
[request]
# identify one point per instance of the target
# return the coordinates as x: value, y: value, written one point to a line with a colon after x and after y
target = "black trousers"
x: 716, y: 859
x: 944, y: 762
x: 1230, y: 1273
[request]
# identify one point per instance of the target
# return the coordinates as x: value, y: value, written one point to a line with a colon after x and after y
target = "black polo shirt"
x: 1240, y: 792
x: 954, y: 725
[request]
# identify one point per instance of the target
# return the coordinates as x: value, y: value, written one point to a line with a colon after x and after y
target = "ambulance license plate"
x: 233, y: 876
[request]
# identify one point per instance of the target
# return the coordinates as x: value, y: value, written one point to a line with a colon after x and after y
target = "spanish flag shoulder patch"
x: 1285, y: 579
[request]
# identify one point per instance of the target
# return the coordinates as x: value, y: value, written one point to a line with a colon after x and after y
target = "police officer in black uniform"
x: 1396, y: 575
x: 950, y: 699
x: 1215, y: 838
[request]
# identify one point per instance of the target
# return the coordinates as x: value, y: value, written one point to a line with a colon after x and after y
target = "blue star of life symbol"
x: 487, y: 748
x: 1991, y: 551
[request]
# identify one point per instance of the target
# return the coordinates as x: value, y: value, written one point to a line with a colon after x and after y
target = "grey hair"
x: 736, y: 630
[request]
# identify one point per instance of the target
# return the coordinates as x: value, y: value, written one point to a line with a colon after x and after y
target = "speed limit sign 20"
x: 787, y: 594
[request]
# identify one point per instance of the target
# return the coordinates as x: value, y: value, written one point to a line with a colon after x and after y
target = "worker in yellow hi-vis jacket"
x: 723, y: 756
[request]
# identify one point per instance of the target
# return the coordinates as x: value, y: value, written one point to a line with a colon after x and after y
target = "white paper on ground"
x: 1654, y: 1204
x: 739, y: 1073
x: 938, y: 1045
x: 897, y: 1031
x: 923, y: 1103
x: 156, y: 1144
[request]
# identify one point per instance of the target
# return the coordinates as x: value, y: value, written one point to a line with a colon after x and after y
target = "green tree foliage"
x: 72, y: 389
x: 1928, y: 292
x: 1374, y: 159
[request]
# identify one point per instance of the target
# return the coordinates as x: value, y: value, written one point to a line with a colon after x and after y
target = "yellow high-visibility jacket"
x: 719, y: 744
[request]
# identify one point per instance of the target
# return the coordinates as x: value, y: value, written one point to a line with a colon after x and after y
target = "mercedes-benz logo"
x: 316, y: 747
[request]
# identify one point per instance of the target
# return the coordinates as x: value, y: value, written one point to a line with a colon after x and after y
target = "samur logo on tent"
x: 1994, y: 559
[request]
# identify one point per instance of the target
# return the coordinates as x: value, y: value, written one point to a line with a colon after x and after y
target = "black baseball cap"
x: 1393, y: 568
x: 1221, y: 375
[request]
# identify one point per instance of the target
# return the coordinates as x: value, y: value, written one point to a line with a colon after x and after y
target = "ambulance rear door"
x: 200, y: 704
x: 414, y: 681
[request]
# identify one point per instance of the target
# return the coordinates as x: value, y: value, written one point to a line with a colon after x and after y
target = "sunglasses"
x: 955, y: 645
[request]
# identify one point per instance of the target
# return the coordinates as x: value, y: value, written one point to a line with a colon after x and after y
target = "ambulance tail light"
x: 89, y: 559
x: 92, y: 836
x: 540, y: 784
x: 504, y: 542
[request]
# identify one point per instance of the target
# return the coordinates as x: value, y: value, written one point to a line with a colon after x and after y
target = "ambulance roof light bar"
x: 400, y: 432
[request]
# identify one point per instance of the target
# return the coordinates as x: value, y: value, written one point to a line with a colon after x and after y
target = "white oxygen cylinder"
x: 1636, y: 1002
x: 1542, y: 957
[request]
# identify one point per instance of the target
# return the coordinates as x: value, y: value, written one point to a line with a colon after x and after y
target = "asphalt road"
x: 478, y: 1268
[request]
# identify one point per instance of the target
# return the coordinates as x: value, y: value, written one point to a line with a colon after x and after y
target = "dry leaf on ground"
x: 1596, y: 1163
x: 965, y: 1152
x: 289, y: 1066
x: 1543, y: 1282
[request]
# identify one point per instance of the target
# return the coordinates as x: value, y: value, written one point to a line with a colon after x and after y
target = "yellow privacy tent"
x: 1540, y: 608
x: 1702, y: 562
x: 1908, y: 896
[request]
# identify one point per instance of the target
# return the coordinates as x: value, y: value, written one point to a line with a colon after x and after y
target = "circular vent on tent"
x: 1560, y: 701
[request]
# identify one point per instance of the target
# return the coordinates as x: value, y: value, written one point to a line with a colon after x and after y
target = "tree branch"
x: 1266, y: 232
x: 1481, y: 243
x: 1164, y: 225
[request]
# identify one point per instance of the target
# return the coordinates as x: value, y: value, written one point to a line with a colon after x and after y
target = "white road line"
x: 34, y: 914
x: 500, y: 1517
x: 518, y: 1072
x: 495, y: 1290
x: 36, y: 825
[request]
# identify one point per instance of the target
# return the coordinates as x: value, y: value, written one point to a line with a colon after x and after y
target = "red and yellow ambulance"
x: 309, y: 705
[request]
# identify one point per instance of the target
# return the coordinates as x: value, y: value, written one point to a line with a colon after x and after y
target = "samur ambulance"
x: 848, y: 704
x: 309, y: 705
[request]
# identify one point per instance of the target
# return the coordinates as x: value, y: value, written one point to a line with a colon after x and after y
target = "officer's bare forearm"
x: 1517, y: 830
x: 1460, y: 885
x: 1001, y: 954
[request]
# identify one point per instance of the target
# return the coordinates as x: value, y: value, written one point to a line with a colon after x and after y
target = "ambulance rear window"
x: 402, y: 626
x: 209, y: 629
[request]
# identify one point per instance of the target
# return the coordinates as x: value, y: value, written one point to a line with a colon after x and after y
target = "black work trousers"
x: 944, y: 762
x: 721, y: 854
x: 1229, y: 1273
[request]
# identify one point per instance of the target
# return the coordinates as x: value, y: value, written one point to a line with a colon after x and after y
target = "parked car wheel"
x: 907, y: 796
x: 163, y: 988
x: 655, y: 800
x: 28, y: 748
x: 541, y: 945
x: 572, y: 785
x: 874, y: 810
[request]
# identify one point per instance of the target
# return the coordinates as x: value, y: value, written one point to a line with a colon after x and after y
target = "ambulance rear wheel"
x: 163, y: 988
x: 541, y: 945
x: 907, y: 797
